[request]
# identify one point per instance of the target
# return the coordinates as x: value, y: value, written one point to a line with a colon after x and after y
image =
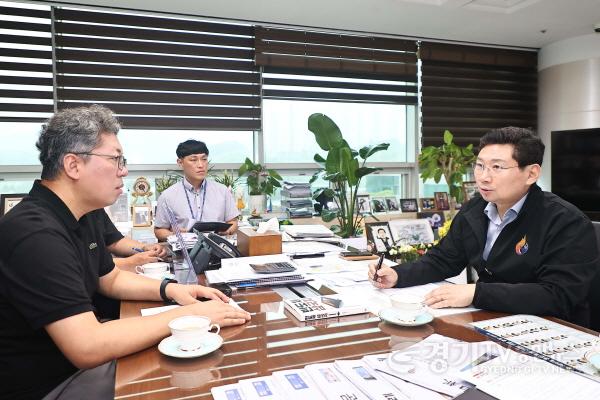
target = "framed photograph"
x: 441, y: 200
x: 469, y: 190
x: 119, y: 210
x: 392, y: 204
x: 411, y: 231
x: 379, y: 238
x: 409, y: 205
x: 427, y: 203
x: 9, y: 200
x: 141, y: 215
x: 378, y: 205
x: 363, y: 204
x: 435, y: 218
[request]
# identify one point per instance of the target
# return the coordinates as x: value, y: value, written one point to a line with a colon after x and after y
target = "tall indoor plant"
x: 450, y: 161
x: 261, y: 182
x: 342, y: 169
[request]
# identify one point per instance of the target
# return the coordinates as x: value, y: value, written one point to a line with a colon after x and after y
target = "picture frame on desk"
x: 9, y: 200
x: 470, y: 190
x: 363, y: 204
x: 427, y: 204
x: 141, y: 215
x: 392, y: 204
x: 436, y: 218
x: 409, y: 205
x: 411, y: 231
x: 379, y: 237
x: 378, y: 205
x: 441, y: 200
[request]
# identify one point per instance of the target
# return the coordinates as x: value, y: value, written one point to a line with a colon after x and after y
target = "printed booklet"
x: 318, y: 307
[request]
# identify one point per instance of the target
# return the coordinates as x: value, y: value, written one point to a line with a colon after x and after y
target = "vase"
x: 257, y: 204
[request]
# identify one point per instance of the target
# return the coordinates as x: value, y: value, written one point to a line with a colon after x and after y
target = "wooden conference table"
x: 272, y: 341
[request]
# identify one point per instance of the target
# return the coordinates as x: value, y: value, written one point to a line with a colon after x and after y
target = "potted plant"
x: 344, y: 172
x: 261, y: 182
x: 227, y: 179
x: 168, y: 179
x: 450, y: 161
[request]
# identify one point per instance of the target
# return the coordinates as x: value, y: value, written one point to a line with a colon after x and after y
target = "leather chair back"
x: 594, y: 296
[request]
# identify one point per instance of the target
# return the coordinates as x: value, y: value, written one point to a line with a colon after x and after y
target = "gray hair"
x: 73, y: 130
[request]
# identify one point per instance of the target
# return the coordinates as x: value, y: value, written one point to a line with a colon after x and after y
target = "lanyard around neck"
x: 190, y: 204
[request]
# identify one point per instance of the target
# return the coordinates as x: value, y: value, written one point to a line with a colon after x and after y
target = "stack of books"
x: 296, y: 199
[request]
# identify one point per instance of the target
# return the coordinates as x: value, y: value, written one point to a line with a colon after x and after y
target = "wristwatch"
x: 163, y: 286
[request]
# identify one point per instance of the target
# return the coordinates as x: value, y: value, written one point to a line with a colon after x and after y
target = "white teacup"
x: 190, y: 331
x: 408, y: 306
x: 155, y: 268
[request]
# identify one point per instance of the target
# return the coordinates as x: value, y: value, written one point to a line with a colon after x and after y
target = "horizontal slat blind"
x: 470, y: 90
x: 156, y: 72
x: 25, y: 64
x: 302, y: 65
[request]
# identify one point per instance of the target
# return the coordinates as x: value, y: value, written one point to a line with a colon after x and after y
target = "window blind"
x: 304, y: 65
x: 470, y: 90
x: 25, y: 64
x: 158, y: 72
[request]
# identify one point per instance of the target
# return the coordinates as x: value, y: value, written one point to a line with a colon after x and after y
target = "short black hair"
x: 528, y: 147
x: 191, y: 146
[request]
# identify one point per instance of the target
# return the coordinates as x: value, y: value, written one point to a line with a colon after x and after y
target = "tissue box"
x: 250, y: 243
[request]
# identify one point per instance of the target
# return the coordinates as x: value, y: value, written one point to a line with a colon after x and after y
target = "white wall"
x: 568, y: 89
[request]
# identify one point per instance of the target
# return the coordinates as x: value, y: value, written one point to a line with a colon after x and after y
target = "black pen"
x: 378, y: 267
x: 307, y: 255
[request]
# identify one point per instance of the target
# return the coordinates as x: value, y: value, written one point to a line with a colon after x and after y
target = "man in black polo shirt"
x: 53, y: 259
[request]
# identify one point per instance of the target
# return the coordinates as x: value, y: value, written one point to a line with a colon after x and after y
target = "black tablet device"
x: 211, y: 226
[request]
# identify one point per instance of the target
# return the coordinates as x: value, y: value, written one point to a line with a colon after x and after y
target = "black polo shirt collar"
x: 55, y: 204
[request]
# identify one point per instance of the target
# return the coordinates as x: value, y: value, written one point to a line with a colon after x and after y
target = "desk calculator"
x: 273, y: 268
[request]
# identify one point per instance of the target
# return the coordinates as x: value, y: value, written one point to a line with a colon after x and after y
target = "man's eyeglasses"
x: 121, y: 160
x: 494, y: 169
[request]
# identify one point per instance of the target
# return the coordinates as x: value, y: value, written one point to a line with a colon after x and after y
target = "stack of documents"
x: 238, y: 272
x: 308, y: 231
x: 189, y: 239
x: 295, y: 190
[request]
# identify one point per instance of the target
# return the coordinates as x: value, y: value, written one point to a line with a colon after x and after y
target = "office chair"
x: 594, y: 296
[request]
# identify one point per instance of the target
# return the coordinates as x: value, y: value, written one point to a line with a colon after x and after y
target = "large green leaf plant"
x: 343, y: 170
x: 448, y: 160
x: 259, y: 179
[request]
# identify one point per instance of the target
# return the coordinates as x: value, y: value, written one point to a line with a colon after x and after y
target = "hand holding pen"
x: 378, y: 266
x: 383, y: 277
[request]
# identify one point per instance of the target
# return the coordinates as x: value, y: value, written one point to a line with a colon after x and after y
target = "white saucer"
x: 393, y: 316
x: 166, y: 275
x: 169, y: 347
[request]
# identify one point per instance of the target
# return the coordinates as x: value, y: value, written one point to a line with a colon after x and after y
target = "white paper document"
x: 433, y: 363
x: 228, y: 392
x: 368, y: 380
x: 157, y: 310
x: 410, y: 390
x: 296, y: 384
x: 315, y: 231
x: 238, y: 272
x: 261, y: 388
x: 332, y: 383
x: 515, y: 376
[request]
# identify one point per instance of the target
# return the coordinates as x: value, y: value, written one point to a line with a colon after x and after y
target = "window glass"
x: 288, y: 140
x: 18, y: 143
x: 158, y: 146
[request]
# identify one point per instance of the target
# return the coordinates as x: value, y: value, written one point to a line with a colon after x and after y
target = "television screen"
x: 576, y: 169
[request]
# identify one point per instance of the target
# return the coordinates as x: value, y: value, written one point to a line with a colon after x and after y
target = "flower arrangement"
x: 409, y: 252
x: 406, y: 253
